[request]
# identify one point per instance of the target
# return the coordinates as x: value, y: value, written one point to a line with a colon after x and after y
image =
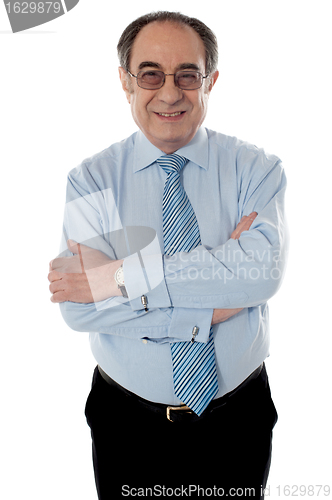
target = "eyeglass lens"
x: 189, y: 80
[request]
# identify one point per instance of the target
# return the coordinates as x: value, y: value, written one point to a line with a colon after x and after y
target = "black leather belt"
x: 182, y: 413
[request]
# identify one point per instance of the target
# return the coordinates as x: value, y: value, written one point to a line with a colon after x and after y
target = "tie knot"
x: 172, y: 163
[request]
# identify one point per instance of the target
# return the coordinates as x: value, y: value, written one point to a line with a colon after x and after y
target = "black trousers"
x: 137, y: 452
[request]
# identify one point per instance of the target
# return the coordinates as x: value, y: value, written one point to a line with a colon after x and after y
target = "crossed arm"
x: 73, y: 278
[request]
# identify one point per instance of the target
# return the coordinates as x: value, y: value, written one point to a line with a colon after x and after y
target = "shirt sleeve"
x: 239, y: 273
x: 88, y: 212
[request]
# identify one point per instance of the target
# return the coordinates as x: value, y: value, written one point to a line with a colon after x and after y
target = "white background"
x: 61, y: 101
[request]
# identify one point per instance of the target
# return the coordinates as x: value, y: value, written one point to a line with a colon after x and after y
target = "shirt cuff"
x: 144, y: 275
x: 184, y: 321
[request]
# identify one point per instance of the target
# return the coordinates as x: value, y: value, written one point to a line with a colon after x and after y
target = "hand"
x: 243, y: 225
x: 220, y: 315
x: 87, y: 276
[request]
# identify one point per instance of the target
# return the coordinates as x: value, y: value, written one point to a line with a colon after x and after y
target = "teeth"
x: 170, y: 114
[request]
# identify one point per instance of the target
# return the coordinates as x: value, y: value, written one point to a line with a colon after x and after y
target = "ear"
x: 124, y: 77
x: 213, y: 79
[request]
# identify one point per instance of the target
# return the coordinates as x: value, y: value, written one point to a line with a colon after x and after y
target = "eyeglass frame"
x: 168, y: 74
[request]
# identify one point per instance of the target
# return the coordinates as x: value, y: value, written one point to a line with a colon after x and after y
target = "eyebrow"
x: 183, y: 66
x: 188, y: 66
x: 148, y: 64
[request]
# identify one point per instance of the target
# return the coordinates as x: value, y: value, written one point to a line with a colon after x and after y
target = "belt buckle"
x: 176, y: 408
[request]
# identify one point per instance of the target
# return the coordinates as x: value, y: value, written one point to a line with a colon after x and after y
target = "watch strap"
x: 123, y: 290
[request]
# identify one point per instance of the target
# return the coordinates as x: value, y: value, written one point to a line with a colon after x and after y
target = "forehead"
x: 169, y: 45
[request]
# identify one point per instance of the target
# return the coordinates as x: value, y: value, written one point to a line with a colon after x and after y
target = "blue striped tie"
x: 194, y: 367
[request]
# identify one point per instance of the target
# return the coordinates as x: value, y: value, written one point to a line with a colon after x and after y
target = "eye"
x: 188, y: 78
x: 151, y: 77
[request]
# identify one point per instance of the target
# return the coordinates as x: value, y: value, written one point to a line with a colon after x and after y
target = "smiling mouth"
x: 171, y: 114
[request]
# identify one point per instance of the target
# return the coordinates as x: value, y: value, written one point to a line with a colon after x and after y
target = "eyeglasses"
x: 185, y: 80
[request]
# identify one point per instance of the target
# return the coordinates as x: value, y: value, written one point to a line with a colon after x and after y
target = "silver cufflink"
x: 144, y: 301
x: 194, y: 333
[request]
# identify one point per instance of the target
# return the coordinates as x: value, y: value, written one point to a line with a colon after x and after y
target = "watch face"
x: 119, y: 277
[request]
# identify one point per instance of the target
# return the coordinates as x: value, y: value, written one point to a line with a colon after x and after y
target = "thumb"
x: 72, y: 246
x: 76, y: 249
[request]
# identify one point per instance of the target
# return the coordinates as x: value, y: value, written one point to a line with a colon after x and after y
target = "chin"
x: 178, y: 140
x: 171, y: 145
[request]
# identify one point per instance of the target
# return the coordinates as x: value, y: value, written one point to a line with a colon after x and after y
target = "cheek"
x: 200, y: 102
x: 139, y: 111
x: 199, y: 108
x: 204, y: 103
x: 204, y: 97
x: 139, y: 104
x: 134, y: 105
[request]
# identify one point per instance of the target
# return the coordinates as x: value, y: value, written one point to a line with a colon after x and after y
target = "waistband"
x: 182, y: 413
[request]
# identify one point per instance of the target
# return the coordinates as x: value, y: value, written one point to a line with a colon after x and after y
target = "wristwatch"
x: 119, y: 279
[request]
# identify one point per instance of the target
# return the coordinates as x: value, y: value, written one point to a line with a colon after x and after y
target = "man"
x: 172, y: 231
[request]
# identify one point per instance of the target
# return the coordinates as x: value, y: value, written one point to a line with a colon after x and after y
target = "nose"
x: 169, y: 92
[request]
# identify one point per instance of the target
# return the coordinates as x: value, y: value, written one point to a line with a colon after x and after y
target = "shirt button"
x: 144, y: 341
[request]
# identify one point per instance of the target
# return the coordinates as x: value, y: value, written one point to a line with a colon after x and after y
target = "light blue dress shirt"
x: 114, y: 204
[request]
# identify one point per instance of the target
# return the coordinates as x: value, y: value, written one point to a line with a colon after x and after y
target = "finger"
x: 55, y: 276
x: 252, y: 216
x: 243, y: 225
x: 58, y: 262
x: 54, y: 264
x: 248, y: 222
x: 56, y: 286
x: 59, y: 297
x: 239, y: 228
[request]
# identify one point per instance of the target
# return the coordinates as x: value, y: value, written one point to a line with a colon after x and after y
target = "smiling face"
x: 169, y: 117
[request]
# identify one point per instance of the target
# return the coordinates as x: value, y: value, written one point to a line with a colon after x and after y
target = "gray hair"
x: 209, y: 39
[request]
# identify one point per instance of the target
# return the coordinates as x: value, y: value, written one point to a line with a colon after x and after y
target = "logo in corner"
x: 25, y: 15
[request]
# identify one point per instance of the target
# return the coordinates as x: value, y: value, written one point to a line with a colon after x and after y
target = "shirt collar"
x: 197, y: 151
